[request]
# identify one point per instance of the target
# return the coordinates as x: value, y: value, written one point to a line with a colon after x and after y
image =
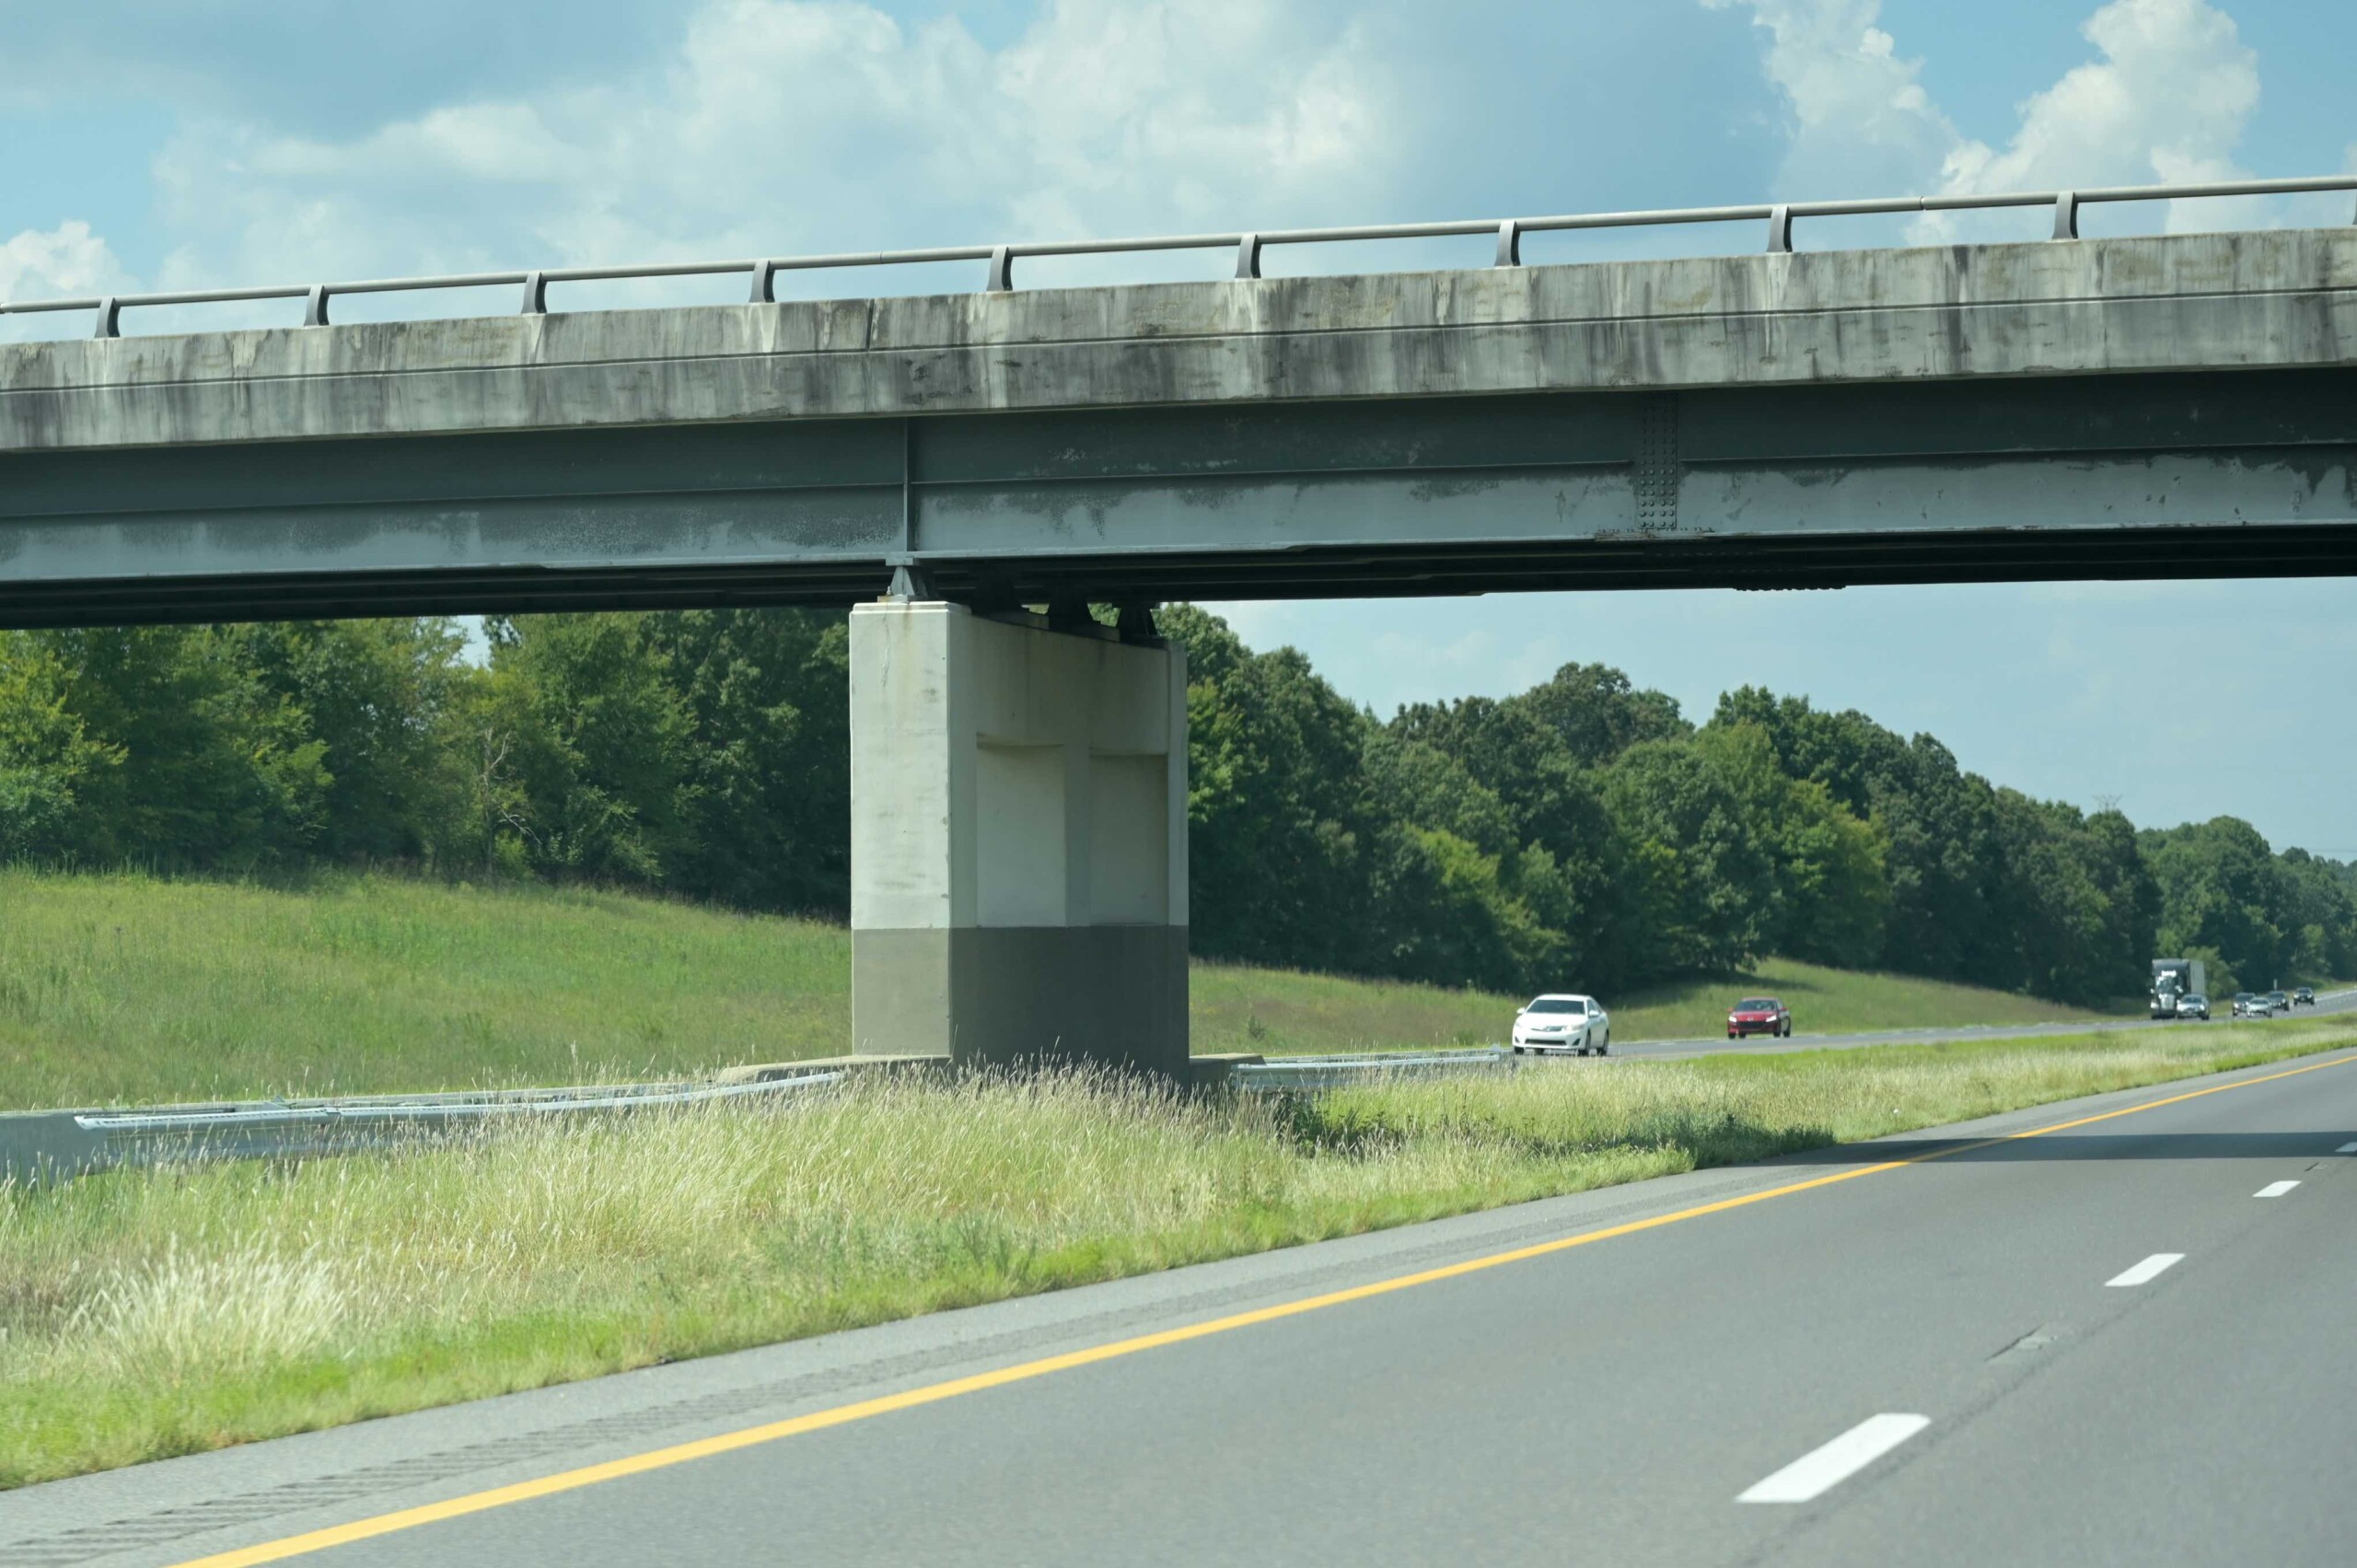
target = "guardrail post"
x: 1248, y: 256
x: 536, y: 295
x: 1002, y: 280
x: 2066, y: 215
x: 1509, y: 244
x: 764, y: 282
x: 109, y: 318
x: 1780, y: 230
x: 314, y: 305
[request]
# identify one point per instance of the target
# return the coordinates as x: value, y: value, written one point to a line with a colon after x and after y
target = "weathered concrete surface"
x: 2114, y: 408
x: 1019, y: 841
x: 2183, y: 302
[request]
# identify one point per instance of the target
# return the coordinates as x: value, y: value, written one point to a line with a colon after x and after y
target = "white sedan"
x: 1576, y: 1025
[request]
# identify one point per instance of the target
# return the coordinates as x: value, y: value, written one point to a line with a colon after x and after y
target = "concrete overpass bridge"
x: 2184, y: 404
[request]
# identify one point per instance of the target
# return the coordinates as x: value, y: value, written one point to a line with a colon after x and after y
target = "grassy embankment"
x: 1247, y: 1009
x: 126, y: 989
x: 150, y: 1313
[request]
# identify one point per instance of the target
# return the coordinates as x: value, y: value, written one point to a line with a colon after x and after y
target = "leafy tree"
x: 1595, y: 712
x: 1414, y: 782
x: 2322, y: 915
x: 1450, y: 916
x: 1829, y: 889
x: 2073, y: 936
x: 1574, y: 864
x: 46, y: 754
x: 768, y: 785
x: 2222, y: 889
x: 2289, y: 918
x: 209, y: 766
x: 601, y: 739
x: 1702, y: 881
x: 1577, y: 833
x: 1278, y: 814
x: 375, y: 695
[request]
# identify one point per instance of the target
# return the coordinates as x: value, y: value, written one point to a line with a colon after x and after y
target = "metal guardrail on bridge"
x: 1248, y: 245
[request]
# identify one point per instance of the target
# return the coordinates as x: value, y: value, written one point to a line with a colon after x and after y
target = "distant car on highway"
x: 2305, y: 997
x: 1576, y: 1025
x: 2280, y: 1001
x: 2248, y: 1004
x: 1758, y: 1016
x: 2193, y: 1004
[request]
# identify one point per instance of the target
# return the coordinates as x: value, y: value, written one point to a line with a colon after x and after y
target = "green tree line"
x: 1580, y: 833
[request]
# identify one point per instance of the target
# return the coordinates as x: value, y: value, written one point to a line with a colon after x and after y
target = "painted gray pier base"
x: 1019, y: 840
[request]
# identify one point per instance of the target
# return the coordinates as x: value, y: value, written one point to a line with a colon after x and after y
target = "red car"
x: 1758, y: 1016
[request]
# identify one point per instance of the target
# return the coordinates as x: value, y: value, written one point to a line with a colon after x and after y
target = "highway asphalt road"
x: 2124, y: 1339
x: 1657, y: 1050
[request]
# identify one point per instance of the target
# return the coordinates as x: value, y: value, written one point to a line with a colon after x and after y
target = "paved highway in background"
x: 2122, y: 1339
x: 2328, y: 1002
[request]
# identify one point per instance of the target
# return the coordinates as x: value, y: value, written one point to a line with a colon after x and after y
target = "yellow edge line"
x: 842, y: 1415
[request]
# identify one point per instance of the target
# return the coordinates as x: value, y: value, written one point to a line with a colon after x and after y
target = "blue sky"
x: 155, y: 143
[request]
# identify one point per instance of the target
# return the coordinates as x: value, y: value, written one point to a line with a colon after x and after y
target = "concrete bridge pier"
x: 1018, y: 838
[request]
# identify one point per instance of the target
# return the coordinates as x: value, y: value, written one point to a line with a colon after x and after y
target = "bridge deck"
x: 2075, y: 408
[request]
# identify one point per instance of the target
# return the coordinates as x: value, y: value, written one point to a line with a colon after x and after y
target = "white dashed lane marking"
x: 2150, y: 1269
x: 1820, y: 1469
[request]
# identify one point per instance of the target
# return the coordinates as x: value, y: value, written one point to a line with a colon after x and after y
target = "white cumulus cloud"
x: 2167, y: 98
x: 1862, y: 123
x: 2168, y: 101
x: 63, y: 263
x: 67, y: 260
x: 785, y: 126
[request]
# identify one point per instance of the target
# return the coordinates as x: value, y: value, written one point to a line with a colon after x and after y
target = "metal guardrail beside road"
x: 1778, y: 216
x: 57, y: 1145
x: 37, y: 1146
x: 1297, y: 1072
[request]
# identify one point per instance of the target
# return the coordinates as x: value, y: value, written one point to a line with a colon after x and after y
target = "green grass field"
x: 128, y: 989
x: 147, y: 1313
x: 1236, y: 1008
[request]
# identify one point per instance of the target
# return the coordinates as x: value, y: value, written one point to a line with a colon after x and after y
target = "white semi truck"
x: 2173, y: 978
